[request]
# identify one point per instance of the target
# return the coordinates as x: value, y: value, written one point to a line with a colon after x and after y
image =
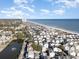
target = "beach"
x: 65, y: 30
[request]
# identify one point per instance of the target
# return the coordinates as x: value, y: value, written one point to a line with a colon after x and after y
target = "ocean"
x: 68, y: 24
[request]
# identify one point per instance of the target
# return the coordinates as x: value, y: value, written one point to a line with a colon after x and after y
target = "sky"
x: 39, y: 9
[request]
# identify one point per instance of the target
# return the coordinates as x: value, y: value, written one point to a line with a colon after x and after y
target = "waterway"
x: 11, y: 51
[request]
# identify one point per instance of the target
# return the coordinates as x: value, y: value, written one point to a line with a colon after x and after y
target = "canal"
x: 11, y: 51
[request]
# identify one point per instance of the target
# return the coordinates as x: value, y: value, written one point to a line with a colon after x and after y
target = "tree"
x: 20, y: 37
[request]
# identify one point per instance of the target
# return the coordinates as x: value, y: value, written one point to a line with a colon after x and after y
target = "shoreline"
x: 47, y: 26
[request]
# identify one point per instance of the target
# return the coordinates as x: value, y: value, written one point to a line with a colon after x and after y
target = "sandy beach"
x: 62, y: 29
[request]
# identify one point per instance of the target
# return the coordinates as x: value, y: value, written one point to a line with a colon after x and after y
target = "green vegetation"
x: 36, y: 47
x: 20, y: 37
x: 30, y: 40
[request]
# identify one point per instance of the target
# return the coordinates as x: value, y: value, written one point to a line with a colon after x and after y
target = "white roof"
x: 48, y: 40
x: 38, y: 36
x: 41, y: 36
x: 77, y: 54
x: 30, y: 49
x: 75, y: 42
x: 44, y: 49
x: 73, y: 53
x: 1, y: 41
x: 44, y: 54
x: 46, y: 45
x: 57, y: 44
x: 36, y: 42
x: 77, y: 47
x: 43, y: 32
x: 35, y: 38
x: 71, y: 43
x: 40, y: 41
x: 48, y: 36
x: 66, y: 47
x: 53, y: 40
x: 52, y: 44
x: 44, y: 36
x: 57, y: 49
x: 57, y: 41
x: 50, y: 33
x: 56, y: 33
x: 72, y: 48
x: 52, y: 54
x: 31, y: 54
x: 3, y: 37
x: 61, y: 40
x: 43, y: 39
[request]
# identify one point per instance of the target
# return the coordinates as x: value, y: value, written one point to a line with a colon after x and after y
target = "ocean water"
x: 68, y: 24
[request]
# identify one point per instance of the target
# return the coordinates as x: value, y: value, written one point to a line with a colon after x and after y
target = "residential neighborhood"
x: 37, y: 41
x: 50, y: 43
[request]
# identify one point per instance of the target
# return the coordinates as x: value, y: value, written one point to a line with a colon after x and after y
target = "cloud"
x: 20, y: 1
x: 33, y: 6
x: 20, y: 9
x: 12, y: 8
x: 29, y: 9
x: 24, y: 6
x: 13, y: 13
x: 51, y: 0
x: 45, y: 11
x: 27, y: 14
x: 69, y: 3
x: 59, y: 12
